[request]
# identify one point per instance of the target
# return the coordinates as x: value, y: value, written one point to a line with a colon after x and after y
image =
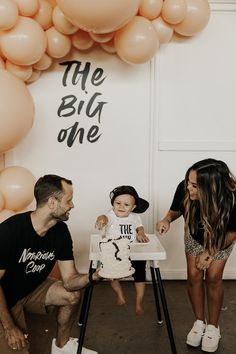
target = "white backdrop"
x: 159, y: 118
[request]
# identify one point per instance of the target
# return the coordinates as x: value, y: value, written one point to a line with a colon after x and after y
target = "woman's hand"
x: 203, y: 261
x: 101, y: 221
x: 163, y: 226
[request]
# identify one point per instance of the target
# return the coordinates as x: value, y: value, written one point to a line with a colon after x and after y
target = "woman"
x: 206, y: 199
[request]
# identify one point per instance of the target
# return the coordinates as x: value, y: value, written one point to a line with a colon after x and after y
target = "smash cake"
x: 115, y: 259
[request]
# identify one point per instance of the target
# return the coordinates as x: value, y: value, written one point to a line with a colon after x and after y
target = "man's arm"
x: 72, y: 280
x: 14, y: 336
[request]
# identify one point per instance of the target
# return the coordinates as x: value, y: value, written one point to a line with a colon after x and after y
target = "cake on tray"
x: 115, y: 259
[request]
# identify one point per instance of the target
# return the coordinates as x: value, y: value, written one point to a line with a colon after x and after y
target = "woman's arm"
x: 163, y: 226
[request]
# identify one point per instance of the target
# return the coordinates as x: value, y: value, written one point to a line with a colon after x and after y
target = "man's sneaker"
x: 194, y: 337
x: 69, y: 348
x: 211, y: 339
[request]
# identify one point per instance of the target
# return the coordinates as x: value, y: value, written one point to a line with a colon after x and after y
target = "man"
x: 30, y: 244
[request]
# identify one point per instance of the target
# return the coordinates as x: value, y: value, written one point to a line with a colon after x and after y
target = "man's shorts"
x: 35, y: 303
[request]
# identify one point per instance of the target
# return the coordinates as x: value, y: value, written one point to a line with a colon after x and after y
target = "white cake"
x: 115, y: 258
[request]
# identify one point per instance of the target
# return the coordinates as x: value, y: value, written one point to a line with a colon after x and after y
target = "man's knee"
x: 73, y: 297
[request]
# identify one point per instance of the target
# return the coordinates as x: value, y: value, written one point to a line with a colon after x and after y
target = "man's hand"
x: 15, y: 338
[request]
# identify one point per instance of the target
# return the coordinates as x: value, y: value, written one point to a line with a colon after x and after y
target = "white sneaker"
x: 69, y: 348
x: 194, y: 337
x: 210, y: 340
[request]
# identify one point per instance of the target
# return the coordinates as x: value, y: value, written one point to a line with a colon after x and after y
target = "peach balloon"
x: 44, y: 63
x: 8, y: 14
x: 25, y: 43
x: 34, y: 77
x: 59, y: 44
x: 17, y: 186
x: 5, y: 214
x: 44, y: 14
x: 101, y: 16
x: 137, y: 42
x: 150, y: 8
x: 22, y: 72
x: 82, y: 40
x: 53, y: 2
x: 2, y: 201
x: 109, y: 47
x: 16, y: 110
x: 174, y: 11
x: 102, y: 37
x: 61, y: 23
x: 27, y: 7
x: 164, y: 30
x: 197, y: 17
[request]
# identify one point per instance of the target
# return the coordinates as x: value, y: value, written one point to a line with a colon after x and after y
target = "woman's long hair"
x: 216, y: 190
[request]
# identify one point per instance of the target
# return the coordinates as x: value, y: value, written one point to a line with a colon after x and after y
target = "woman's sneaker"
x: 210, y: 340
x: 194, y: 337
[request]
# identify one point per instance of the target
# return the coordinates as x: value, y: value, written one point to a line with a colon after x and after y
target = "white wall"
x: 160, y: 117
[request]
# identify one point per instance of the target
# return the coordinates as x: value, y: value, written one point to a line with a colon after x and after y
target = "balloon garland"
x: 34, y: 33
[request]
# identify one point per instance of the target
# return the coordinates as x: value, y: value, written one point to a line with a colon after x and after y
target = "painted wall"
x: 152, y: 122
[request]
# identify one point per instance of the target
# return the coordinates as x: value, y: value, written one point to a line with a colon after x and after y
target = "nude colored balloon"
x: 8, y: 14
x: 34, y: 77
x: 5, y: 214
x: 137, y: 42
x: 44, y: 14
x: 59, y: 44
x: 102, y: 37
x: 25, y: 43
x: 2, y: 201
x: 174, y: 11
x: 164, y: 30
x: 44, y: 63
x: 27, y: 7
x: 17, y: 186
x: 197, y: 17
x: 101, y: 16
x: 109, y: 47
x: 22, y: 72
x: 150, y: 8
x: 16, y: 110
x: 82, y: 40
x: 61, y: 23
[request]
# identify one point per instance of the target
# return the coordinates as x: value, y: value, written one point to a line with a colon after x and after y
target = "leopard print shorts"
x: 193, y: 248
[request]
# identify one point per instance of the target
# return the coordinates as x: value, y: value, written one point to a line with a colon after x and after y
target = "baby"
x: 123, y: 220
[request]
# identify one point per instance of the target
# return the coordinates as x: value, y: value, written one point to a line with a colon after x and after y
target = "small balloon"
x: 44, y: 63
x: 109, y: 47
x: 150, y: 8
x: 17, y: 186
x: 174, y: 11
x: 25, y: 43
x: 61, y: 23
x: 34, y: 77
x: 164, y: 30
x: 22, y: 72
x: 137, y: 42
x: 105, y: 17
x: 82, y: 40
x: 27, y: 7
x: 102, y: 37
x: 44, y: 14
x: 197, y: 17
x: 8, y: 14
x: 59, y: 44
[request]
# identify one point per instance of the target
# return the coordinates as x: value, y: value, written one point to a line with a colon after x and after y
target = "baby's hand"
x: 101, y: 221
x: 142, y: 238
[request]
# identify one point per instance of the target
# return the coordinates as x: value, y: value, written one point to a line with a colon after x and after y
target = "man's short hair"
x: 49, y: 186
